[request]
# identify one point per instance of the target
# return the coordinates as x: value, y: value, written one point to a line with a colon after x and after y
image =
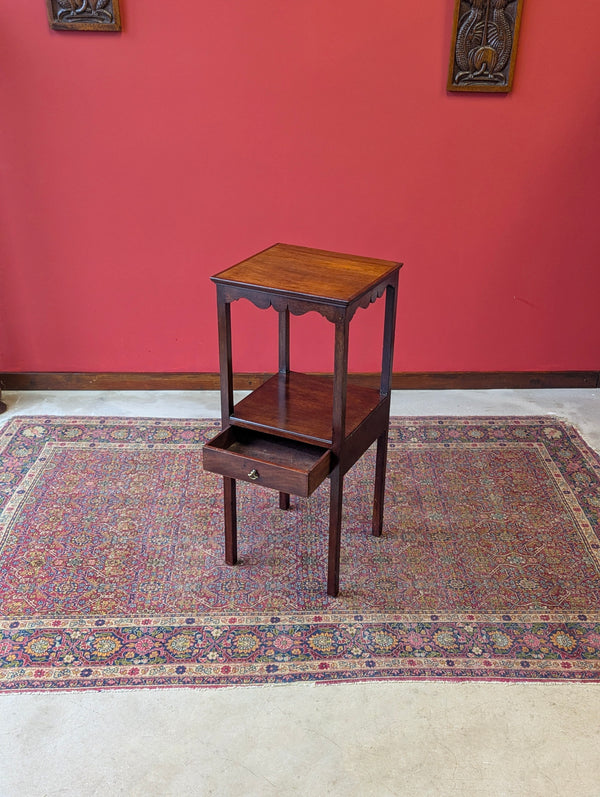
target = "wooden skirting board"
x: 464, y: 380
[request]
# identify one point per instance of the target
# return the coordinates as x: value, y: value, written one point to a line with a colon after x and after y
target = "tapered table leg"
x: 380, y: 466
x: 284, y: 368
x: 230, y: 520
x: 335, y: 531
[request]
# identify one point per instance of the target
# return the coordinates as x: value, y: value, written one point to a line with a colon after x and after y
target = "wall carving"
x: 103, y: 15
x: 484, y: 45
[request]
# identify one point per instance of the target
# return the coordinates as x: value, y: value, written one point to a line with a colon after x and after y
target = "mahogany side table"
x: 296, y: 429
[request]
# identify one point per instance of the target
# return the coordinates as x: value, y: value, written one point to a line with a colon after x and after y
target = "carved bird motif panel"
x: 84, y: 14
x: 484, y: 45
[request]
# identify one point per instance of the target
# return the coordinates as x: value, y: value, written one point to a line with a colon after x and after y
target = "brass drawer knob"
x: 253, y: 474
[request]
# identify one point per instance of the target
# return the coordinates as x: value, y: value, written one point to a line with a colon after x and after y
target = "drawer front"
x: 235, y: 464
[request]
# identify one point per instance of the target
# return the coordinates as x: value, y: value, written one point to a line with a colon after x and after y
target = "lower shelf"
x: 300, y: 406
x: 285, y: 465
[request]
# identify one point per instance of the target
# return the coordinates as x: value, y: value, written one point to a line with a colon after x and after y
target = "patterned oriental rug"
x: 112, y: 566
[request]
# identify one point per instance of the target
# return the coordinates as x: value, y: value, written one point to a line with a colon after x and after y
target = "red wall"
x: 134, y: 165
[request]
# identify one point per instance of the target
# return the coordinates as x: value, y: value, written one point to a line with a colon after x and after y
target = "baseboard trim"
x: 450, y: 380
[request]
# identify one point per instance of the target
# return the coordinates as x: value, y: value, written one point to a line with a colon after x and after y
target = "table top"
x: 308, y: 273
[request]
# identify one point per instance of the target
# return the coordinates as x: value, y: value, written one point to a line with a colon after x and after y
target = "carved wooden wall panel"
x: 84, y: 14
x: 484, y: 45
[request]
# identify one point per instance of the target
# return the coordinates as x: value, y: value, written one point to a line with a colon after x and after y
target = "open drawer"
x: 285, y: 465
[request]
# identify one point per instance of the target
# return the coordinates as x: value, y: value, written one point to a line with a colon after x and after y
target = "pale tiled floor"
x: 361, y: 739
